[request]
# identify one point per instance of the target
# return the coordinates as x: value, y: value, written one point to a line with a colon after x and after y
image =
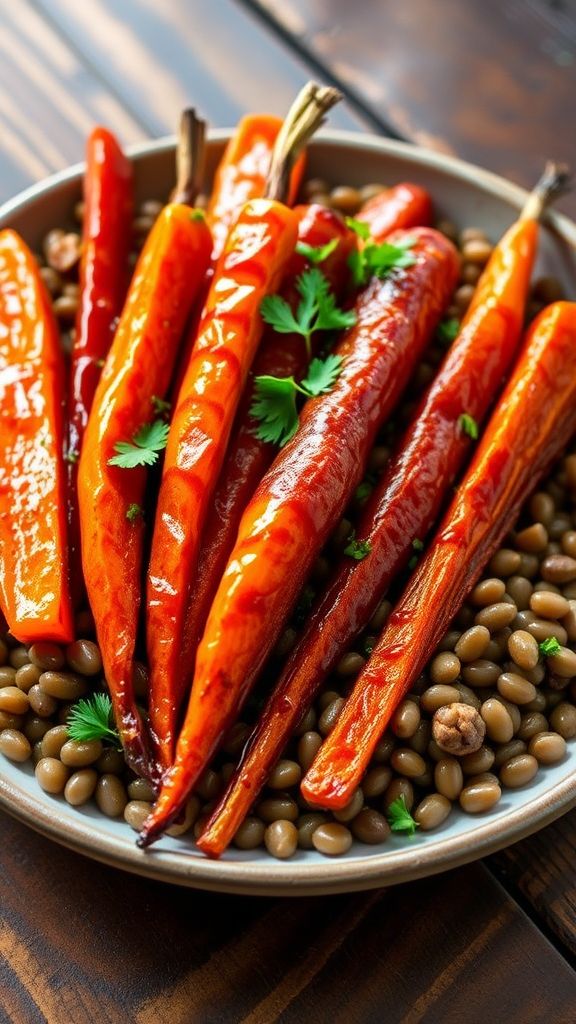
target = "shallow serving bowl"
x: 468, y: 196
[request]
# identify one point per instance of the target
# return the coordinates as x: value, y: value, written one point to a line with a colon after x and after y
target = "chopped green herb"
x: 399, y: 817
x: 160, y: 405
x: 143, y: 449
x: 71, y: 456
x: 468, y: 425
x: 359, y: 227
x: 316, y: 253
x: 133, y: 511
x: 549, y: 646
x: 357, y: 549
x: 197, y: 214
x: 363, y: 491
x: 91, y: 719
x: 417, y: 547
x: 447, y: 331
x: 316, y: 311
x: 274, y: 404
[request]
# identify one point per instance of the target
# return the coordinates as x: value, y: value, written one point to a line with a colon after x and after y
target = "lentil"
x: 79, y: 755
x: 52, y: 775
x: 281, y: 839
x: 532, y: 723
x: 15, y: 745
x: 445, y: 668
x: 284, y: 775
x: 81, y: 786
x: 518, y: 771
x: 308, y: 746
x: 448, y: 777
x: 406, y: 719
x: 111, y: 796
x: 547, y: 747
x: 370, y: 827
x: 250, y: 834
x: 480, y: 796
x: 332, y: 839
x: 523, y: 649
x: 136, y: 812
x: 352, y: 808
x: 84, y: 656
x: 563, y: 720
x: 62, y: 685
x: 432, y: 811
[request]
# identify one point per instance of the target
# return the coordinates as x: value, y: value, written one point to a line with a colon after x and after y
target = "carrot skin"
x: 104, y: 275
x: 403, y: 206
x: 168, y: 275
x: 531, y: 425
x: 299, y: 501
x: 241, y: 174
x: 248, y: 457
x: 404, y: 506
x: 34, y: 587
x: 256, y: 253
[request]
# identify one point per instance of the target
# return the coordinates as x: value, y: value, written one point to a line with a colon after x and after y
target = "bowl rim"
x: 319, y: 877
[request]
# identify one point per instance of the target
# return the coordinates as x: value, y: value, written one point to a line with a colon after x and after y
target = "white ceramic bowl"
x: 466, y: 195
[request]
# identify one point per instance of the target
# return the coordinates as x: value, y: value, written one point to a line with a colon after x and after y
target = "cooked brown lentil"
x: 15, y: 745
x: 333, y: 839
x: 281, y: 839
x: 80, y: 787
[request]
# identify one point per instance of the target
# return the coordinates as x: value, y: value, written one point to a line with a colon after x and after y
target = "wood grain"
x: 158, y: 57
x: 80, y: 941
x: 543, y: 870
x: 491, y: 80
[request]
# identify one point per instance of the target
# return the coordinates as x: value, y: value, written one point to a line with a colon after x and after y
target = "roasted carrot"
x: 299, y: 501
x: 137, y: 371
x: 34, y: 590
x: 242, y: 173
x: 403, y: 507
x: 104, y: 273
x: 254, y: 259
x: 402, y: 206
x: 248, y: 457
x: 533, y: 421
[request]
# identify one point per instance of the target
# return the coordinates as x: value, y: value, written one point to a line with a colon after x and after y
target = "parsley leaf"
x: 143, y: 450
x: 549, y: 646
x: 359, y: 227
x: 316, y: 311
x: 378, y: 260
x: 447, y: 331
x: 316, y: 253
x: 399, y: 817
x: 417, y: 547
x: 160, y: 405
x: 468, y: 425
x: 133, y: 511
x: 363, y: 491
x: 91, y: 719
x: 71, y: 456
x: 322, y: 375
x: 357, y: 549
x: 274, y: 406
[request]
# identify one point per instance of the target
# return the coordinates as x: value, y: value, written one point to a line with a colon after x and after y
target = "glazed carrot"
x: 403, y: 507
x: 167, y: 278
x: 106, y: 238
x: 252, y: 264
x: 34, y: 593
x: 299, y: 501
x: 403, y: 206
x: 241, y: 174
x: 248, y: 457
x: 533, y: 421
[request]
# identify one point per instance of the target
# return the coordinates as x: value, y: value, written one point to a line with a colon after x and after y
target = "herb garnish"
x: 274, y: 404
x: 71, y: 456
x: 468, y: 425
x: 447, y: 331
x: 363, y: 491
x: 316, y: 311
x: 161, y: 406
x: 549, y: 646
x: 399, y: 817
x: 418, y: 548
x: 357, y: 549
x: 316, y: 253
x: 91, y: 719
x: 133, y: 511
x: 144, y: 448
x: 375, y: 260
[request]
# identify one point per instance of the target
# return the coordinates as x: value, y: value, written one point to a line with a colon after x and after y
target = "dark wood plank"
x: 491, y: 80
x: 160, y: 57
x: 49, y: 101
x: 80, y: 941
x: 543, y: 870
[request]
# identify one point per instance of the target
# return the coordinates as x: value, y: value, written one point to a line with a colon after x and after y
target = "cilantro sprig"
x: 274, y: 404
x: 447, y: 331
x: 468, y: 425
x: 357, y: 549
x: 143, y: 449
x: 91, y: 719
x: 549, y: 646
x: 399, y: 817
x: 316, y: 253
x: 316, y: 311
x: 374, y: 260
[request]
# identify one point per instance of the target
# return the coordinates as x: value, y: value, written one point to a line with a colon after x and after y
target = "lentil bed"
x: 487, y: 714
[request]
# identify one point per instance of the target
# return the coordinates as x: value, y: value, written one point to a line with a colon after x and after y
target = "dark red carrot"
x: 402, y: 206
x: 301, y: 498
x: 403, y: 507
x: 532, y: 423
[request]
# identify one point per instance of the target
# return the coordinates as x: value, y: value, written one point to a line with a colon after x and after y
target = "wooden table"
x: 493, y: 82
